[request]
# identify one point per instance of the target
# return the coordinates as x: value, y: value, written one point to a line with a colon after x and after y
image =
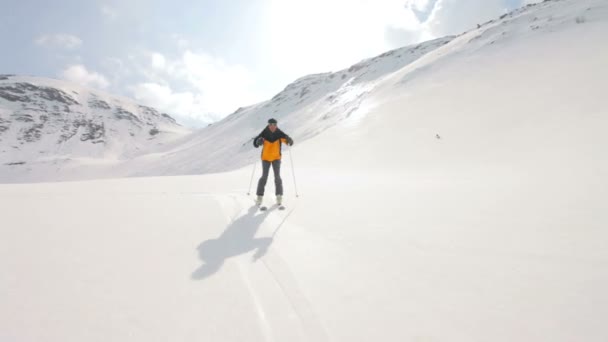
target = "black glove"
x: 289, y: 141
x: 259, y: 141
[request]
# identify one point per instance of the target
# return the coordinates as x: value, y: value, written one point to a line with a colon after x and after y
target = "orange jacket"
x: 271, y: 147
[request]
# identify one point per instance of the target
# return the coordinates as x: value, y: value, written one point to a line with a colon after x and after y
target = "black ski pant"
x: 278, y: 183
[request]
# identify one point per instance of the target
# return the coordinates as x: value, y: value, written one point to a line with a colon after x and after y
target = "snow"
x: 49, y: 125
x: 494, y: 232
x: 378, y: 256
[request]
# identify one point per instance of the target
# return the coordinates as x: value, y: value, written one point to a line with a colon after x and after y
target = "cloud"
x: 193, y: 85
x: 108, y: 12
x: 117, y: 72
x: 181, y: 42
x: 456, y: 16
x: 79, y: 74
x: 421, y: 8
x: 222, y: 87
x: 397, y: 37
x: 318, y: 36
x: 164, y: 98
x: 158, y: 61
x: 61, y: 40
x: 303, y: 37
x: 438, y: 18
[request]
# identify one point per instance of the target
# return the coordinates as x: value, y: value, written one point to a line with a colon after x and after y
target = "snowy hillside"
x: 456, y: 196
x: 315, y: 103
x: 46, y: 125
x: 305, y: 108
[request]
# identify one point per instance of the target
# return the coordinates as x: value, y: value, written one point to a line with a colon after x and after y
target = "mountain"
x: 313, y: 104
x: 463, y: 199
x: 304, y: 109
x: 46, y: 125
x: 50, y: 123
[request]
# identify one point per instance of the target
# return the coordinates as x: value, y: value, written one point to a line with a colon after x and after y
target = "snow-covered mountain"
x: 315, y: 103
x: 45, y: 124
x: 305, y: 108
x: 457, y: 196
x: 50, y: 125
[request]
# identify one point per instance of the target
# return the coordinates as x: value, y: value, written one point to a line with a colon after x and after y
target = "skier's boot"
x: 258, y: 201
x: 279, y: 199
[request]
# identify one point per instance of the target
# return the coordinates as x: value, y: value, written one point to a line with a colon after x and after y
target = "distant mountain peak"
x: 58, y: 120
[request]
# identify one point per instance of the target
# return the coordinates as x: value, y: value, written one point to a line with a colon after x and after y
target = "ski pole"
x: 293, y: 171
x: 255, y: 163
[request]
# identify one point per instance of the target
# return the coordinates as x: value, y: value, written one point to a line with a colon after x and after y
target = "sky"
x: 200, y: 60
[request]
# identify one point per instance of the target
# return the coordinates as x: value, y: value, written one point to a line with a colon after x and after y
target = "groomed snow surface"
x: 462, y: 199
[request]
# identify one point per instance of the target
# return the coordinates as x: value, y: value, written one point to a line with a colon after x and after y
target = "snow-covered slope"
x: 462, y: 200
x: 480, y: 61
x: 305, y: 108
x: 47, y: 124
x: 35, y: 150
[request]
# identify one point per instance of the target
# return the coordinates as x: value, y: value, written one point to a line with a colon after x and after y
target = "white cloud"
x: 194, y: 85
x: 438, y: 18
x: 146, y: 66
x: 158, y: 60
x: 165, y: 99
x: 61, y: 40
x: 115, y: 64
x: 222, y: 87
x: 456, y: 16
x: 79, y: 74
x: 421, y: 8
x: 117, y: 71
x: 108, y: 12
x: 181, y: 42
x: 317, y: 35
x: 418, y: 4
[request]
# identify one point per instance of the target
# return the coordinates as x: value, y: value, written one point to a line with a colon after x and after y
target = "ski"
x: 261, y: 207
x: 264, y: 208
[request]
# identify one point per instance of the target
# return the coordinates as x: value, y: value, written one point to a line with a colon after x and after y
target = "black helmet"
x: 272, y: 121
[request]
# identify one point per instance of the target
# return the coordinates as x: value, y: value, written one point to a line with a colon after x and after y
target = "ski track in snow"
x: 265, y: 326
x: 275, y: 273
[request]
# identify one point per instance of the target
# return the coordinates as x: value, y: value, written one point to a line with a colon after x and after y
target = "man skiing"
x: 271, y: 139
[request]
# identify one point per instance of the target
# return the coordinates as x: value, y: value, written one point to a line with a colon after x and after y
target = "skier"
x: 271, y: 139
